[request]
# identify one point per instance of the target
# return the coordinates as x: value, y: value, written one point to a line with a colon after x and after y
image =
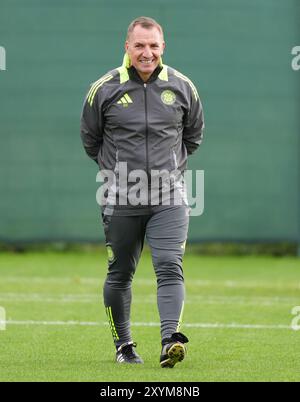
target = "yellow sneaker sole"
x: 176, y: 354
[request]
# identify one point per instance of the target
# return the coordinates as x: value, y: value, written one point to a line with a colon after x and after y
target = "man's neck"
x: 145, y: 77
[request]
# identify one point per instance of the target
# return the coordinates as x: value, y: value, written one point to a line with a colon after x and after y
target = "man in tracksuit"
x: 144, y: 118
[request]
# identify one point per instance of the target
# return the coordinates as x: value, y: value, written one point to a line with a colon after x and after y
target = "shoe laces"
x: 176, y: 337
x: 127, y: 350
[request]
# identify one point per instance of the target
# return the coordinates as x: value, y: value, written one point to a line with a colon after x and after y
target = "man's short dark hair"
x: 145, y: 22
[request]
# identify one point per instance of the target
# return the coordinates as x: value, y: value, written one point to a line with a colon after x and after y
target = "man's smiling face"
x: 145, y: 47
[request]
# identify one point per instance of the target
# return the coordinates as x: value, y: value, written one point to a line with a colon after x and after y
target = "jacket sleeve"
x: 194, y: 123
x: 91, y: 126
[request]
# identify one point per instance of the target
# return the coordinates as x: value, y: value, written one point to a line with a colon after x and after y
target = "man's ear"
x: 126, y: 46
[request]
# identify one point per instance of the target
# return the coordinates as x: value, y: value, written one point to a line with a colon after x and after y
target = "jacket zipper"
x: 146, y: 119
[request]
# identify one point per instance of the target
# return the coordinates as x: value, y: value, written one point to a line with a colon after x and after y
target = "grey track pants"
x: 166, y: 233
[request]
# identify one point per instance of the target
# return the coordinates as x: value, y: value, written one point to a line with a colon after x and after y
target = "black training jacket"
x: 151, y: 126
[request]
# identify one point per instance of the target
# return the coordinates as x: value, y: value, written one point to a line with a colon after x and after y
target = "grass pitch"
x: 238, y: 317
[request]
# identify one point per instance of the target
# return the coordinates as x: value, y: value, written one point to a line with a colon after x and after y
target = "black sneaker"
x: 126, y: 354
x: 173, y: 350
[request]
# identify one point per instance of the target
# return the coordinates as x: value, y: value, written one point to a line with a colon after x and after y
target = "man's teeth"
x: 146, y: 61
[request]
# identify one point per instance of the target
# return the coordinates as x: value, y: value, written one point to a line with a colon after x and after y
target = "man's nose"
x: 147, y: 52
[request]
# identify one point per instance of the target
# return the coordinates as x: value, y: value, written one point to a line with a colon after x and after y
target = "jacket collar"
x: 134, y: 75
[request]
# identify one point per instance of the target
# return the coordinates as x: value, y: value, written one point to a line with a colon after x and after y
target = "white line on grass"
x: 150, y: 282
x: 151, y: 299
x: 150, y: 324
x: 49, y: 298
x: 53, y: 280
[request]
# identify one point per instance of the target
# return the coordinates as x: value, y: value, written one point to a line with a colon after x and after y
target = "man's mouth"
x: 147, y: 61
